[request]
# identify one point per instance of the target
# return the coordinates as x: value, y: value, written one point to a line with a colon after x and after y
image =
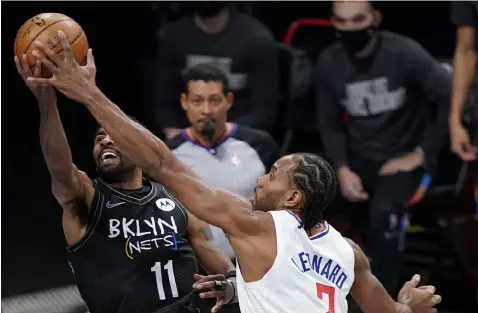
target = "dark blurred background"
x: 124, y: 38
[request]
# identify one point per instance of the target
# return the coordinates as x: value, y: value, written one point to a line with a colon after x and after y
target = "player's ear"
x: 292, y: 199
x: 184, y: 102
x: 229, y: 100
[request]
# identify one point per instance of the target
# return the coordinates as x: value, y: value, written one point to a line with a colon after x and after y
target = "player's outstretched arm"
x: 67, y: 183
x: 223, y: 209
x: 218, y: 266
x: 201, y: 240
x: 372, y: 297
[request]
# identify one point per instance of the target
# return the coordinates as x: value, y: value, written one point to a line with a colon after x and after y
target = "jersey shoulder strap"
x: 94, y: 215
x: 285, y: 220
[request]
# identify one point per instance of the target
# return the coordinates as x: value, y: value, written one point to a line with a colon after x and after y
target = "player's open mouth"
x: 108, y: 154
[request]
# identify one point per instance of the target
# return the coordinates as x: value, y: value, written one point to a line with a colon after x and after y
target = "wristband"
x: 234, y: 288
x: 230, y: 274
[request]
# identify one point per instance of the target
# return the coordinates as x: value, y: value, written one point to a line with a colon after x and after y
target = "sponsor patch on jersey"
x: 165, y: 204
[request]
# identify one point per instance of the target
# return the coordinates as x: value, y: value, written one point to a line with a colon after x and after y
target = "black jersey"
x: 135, y: 256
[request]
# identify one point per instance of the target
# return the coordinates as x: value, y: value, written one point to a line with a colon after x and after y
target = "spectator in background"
x: 380, y: 81
x: 465, y: 17
x: 224, y: 154
x: 234, y: 42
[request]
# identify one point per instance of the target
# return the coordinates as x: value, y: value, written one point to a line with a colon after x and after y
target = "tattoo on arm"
x: 205, y: 231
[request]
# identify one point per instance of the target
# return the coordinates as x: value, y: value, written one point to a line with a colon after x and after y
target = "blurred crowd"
x: 399, y: 126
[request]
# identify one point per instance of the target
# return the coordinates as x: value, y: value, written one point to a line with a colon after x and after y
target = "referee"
x: 225, y: 155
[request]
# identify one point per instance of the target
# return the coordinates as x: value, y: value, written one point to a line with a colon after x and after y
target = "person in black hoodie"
x: 372, y: 90
x: 234, y: 42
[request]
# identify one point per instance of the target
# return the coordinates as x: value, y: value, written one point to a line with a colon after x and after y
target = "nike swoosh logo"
x: 112, y: 205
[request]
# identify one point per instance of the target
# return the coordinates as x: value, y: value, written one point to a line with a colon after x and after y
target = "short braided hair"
x: 316, y: 178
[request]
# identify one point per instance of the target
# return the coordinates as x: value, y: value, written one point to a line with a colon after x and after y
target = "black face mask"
x: 208, y: 8
x: 208, y: 129
x: 355, y: 41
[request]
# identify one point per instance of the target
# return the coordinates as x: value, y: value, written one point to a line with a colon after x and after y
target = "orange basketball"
x: 44, y: 28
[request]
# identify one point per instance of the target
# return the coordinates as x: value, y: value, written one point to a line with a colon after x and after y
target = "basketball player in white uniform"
x: 289, y: 259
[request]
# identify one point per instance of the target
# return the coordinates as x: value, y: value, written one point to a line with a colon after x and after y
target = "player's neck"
x: 130, y: 182
x: 214, y: 24
x: 317, y: 229
x: 221, y: 130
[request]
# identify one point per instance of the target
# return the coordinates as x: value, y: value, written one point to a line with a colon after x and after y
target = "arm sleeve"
x: 169, y: 82
x: 436, y: 83
x: 464, y: 13
x: 264, y: 84
x: 330, y: 115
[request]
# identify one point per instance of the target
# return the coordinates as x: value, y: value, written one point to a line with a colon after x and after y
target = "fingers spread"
x: 210, y: 278
x: 197, y: 277
x: 48, y: 64
x: 211, y: 294
x: 24, y: 64
x: 205, y: 285
x: 90, y: 58
x: 17, y: 64
x: 436, y: 299
x: 48, y: 52
x: 430, y: 289
x: 416, y: 280
x: 66, y: 46
x: 218, y: 305
x: 37, y: 71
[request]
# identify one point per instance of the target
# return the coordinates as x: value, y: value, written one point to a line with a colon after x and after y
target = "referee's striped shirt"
x: 234, y: 163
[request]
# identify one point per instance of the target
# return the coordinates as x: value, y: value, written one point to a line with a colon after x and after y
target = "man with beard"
x: 289, y: 259
x: 383, y: 83
x: 232, y: 41
x: 225, y: 155
x: 131, y: 244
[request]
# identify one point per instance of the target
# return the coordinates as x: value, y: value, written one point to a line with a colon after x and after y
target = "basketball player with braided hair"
x: 317, y: 194
x: 289, y: 259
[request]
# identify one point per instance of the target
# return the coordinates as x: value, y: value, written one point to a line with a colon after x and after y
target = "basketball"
x: 44, y: 28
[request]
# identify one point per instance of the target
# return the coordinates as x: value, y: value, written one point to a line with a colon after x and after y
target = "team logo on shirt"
x: 372, y: 97
x: 165, y: 204
x: 235, y: 160
x: 142, y: 235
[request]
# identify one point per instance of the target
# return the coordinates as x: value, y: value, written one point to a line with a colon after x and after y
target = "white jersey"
x: 309, y: 274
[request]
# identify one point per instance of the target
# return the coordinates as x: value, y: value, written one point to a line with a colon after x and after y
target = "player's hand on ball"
x: 208, y: 288
x: 44, y: 94
x: 73, y: 80
x: 421, y: 299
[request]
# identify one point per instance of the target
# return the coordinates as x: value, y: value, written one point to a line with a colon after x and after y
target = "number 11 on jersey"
x: 330, y: 292
x: 158, y: 270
